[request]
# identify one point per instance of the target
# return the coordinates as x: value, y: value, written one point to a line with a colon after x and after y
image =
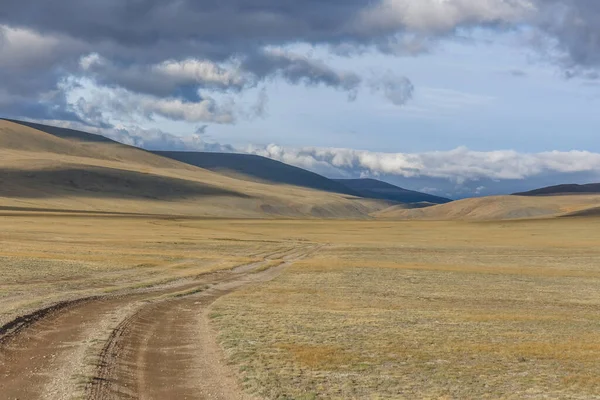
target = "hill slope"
x: 375, y: 189
x: 60, y: 169
x: 563, y: 189
x: 497, y: 208
x: 258, y: 168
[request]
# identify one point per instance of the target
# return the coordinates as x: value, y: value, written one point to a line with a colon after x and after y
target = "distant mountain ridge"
x: 375, y: 189
x: 55, y: 169
x: 266, y: 169
x: 260, y: 168
x: 563, y: 189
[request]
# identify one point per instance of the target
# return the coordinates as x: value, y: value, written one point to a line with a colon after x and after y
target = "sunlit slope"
x: 70, y: 170
x: 497, y: 208
x: 258, y: 168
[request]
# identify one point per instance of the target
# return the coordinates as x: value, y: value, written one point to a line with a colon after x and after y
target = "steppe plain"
x: 298, y: 309
x: 126, y: 275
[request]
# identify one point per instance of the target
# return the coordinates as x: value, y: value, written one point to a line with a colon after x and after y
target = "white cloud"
x: 205, y: 110
x: 148, y: 138
x: 201, y: 71
x: 98, y: 105
x: 442, y: 16
x: 459, y: 165
x: 464, y: 171
x: 164, y: 78
x: 25, y: 48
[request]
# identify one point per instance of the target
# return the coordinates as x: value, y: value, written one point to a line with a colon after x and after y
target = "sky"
x: 453, y: 97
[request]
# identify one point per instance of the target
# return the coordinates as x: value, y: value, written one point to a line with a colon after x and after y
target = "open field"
x: 46, y: 258
x: 303, y: 309
x: 139, y: 279
x: 425, y: 310
x: 499, y: 208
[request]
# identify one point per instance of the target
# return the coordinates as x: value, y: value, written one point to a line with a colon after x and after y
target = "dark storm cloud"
x: 167, y: 49
x: 164, y: 53
x: 217, y: 26
x: 574, y: 24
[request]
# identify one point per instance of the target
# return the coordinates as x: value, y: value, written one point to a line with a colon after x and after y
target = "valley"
x: 127, y: 275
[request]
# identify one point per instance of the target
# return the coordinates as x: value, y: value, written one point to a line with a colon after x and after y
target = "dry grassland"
x: 440, y: 310
x: 49, y: 258
x: 499, y: 208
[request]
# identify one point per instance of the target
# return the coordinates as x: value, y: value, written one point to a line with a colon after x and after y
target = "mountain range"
x: 57, y: 169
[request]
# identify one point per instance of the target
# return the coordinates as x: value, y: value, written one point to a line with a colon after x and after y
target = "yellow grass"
x: 383, y: 310
x: 425, y: 310
x: 451, y: 310
x: 43, y: 171
x: 44, y: 259
x: 497, y: 208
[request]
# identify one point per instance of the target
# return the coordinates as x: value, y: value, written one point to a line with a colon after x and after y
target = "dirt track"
x: 146, y: 345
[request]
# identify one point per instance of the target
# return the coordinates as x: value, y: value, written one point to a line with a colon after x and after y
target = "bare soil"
x: 151, y: 344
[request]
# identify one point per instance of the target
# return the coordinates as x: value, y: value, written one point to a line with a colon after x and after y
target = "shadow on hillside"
x: 103, y: 183
x: 64, y: 133
x: 590, y: 212
x: 259, y: 169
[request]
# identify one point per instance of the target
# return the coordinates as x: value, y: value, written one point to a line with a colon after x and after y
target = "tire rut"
x: 157, y: 353
x: 149, y: 349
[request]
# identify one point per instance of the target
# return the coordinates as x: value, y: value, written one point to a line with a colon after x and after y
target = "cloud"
x: 434, y: 17
x: 397, y: 89
x: 259, y: 109
x: 126, y: 105
x: 164, y: 53
x: 148, y: 138
x: 168, y: 78
x: 296, y: 68
x: 456, y: 173
x: 201, y: 130
x: 459, y: 165
x: 573, y: 26
x: 31, y: 72
x: 25, y: 48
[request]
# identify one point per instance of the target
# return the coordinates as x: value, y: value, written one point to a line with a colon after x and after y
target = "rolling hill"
x: 498, y: 208
x: 257, y: 168
x: 43, y: 167
x: 261, y: 169
x: 375, y: 189
x: 563, y: 189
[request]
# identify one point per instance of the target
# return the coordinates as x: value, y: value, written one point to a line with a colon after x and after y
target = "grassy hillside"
x: 375, y: 189
x: 61, y: 169
x: 563, y: 189
x: 258, y: 168
x: 497, y: 208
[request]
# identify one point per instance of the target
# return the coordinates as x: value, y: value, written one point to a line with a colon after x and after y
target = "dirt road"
x: 155, y: 344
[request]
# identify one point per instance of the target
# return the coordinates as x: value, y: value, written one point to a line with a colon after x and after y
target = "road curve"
x: 146, y: 345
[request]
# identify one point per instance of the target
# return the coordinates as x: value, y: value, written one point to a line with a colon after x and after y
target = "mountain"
x: 563, y: 189
x: 258, y: 168
x: 262, y: 169
x: 499, y: 208
x: 375, y: 189
x: 51, y: 168
x: 65, y: 133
